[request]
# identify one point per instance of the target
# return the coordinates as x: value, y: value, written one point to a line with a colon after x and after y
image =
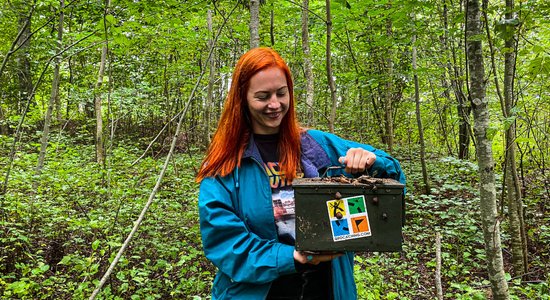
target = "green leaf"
x: 44, y: 267
x: 95, y: 244
x: 507, y: 122
x: 110, y: 19
x: 19, y: 287
x: 508, y: 276
x: 64, y: 260
x: 491, y: 132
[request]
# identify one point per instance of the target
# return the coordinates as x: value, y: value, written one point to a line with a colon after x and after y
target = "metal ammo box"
x: 346, y: 214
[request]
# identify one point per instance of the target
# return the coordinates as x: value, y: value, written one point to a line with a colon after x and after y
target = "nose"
x: 274, y: 102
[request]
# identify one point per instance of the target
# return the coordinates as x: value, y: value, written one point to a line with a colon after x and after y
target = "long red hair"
x: 233, y: 133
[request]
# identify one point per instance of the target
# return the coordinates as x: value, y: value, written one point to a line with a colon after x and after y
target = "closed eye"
x: 262, y: 96
x: 282, y: 91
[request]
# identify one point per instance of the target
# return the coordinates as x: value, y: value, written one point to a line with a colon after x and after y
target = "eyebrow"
x: 269, y: 91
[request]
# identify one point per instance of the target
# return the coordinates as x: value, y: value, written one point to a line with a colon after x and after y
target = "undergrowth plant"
x: 452, y: 209
x: 58, y: 240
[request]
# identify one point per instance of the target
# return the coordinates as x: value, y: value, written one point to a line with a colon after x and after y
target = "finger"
x: 357, y: 164
x: 364, y: 162
x: 346, y: 161
x: 342, y: 160
x: 327, y: 257
x: 372, y: 159
x: 350, y: 160
x: 301, y: 257
x: 313, y: 259
x: 358, y: 160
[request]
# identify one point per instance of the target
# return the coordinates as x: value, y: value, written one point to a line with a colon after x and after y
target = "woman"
x: 246, y: 199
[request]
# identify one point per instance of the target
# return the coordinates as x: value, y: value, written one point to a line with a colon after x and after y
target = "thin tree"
x: 20, y: 39
x: 330, y: 79
x: 513, y: 190
x: 19, y: 131
x: 100, y: 148
x: 272, y: 25
x: 22, y: 58
x: 54, y: 95
x: 513, y: 193
x: 419, y: 119
x: 484, y: 153
x: 254, y: 23
x: 310, y: 83
x: 211, y: 79
x: 456, y: 73
x: 21, y: 42
x: 438, y: 286
x: 388, y: 97
x: 181, y: 116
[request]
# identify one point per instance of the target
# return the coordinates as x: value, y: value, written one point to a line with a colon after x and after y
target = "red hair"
x: 233, y: 133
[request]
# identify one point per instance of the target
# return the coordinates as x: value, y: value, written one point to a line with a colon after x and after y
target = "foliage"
x: 448, y: 210
x: 57, y: 239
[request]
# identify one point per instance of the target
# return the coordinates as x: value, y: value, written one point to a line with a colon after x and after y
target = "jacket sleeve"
x: 385, y: 166
x: 231, y: 246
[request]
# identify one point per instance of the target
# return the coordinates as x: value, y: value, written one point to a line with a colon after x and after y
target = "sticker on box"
x: 348, y: 218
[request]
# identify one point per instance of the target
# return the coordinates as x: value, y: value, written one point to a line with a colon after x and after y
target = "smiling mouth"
x: 274, y: 115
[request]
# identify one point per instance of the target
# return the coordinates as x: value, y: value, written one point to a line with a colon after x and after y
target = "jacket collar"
x: 252, y: 150
x: 313, y: 158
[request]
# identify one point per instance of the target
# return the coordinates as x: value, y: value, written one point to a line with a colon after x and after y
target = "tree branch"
x: 137, y: 223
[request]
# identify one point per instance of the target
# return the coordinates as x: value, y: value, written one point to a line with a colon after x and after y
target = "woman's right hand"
x: 315, y: 259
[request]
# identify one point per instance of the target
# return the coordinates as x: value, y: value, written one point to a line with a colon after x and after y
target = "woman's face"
x: 268, y: 99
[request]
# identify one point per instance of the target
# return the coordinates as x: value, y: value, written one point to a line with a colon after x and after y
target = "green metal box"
x: 345, y: 214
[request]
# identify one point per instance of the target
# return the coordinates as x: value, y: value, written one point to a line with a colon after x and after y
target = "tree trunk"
x: 464, y: 127
x: 310, y: 87
x: 254, y: 23
x: 272, y: 26
x: 419, y: 121
x: 23, y: 62
x: 100, y: 148
x: 455, y: 74
x: 442, y: 113
x: 438, y: 286
x: 54, y: 95
x: 330, y: 79
x: 513, y: 191
x: 21, y: 41
x: 484, y: 154
x: 388, y: 101
x: 3, y: 122
x: 211, y: 79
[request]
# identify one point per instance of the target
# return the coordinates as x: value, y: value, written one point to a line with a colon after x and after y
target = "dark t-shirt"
x: 311, y: 282
x: 281, y: 190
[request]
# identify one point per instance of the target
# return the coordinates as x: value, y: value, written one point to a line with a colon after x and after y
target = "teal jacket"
x: 238, y: 228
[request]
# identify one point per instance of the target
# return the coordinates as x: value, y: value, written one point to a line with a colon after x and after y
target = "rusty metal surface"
x: 362, y: 180
x: 316, y: 217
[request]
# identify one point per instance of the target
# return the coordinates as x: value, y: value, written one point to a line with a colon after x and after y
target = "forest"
x: 107, y: 108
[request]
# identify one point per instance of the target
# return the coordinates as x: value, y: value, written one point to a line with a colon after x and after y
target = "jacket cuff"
x: 377, y: 168
x: 285, y: 259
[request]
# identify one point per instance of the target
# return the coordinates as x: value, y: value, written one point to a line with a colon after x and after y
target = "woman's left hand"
x: 357, y: 160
